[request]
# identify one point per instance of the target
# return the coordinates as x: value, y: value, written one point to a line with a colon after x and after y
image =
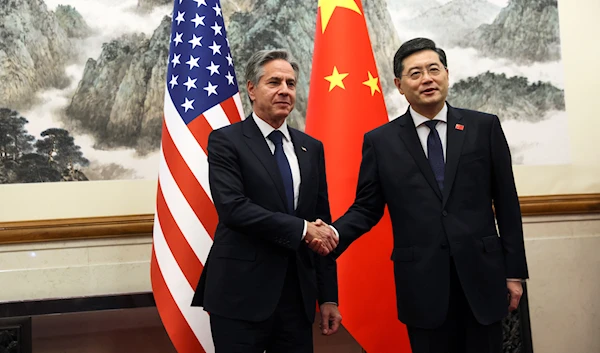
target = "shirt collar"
x: 419, y: 119
x: 266, y: 129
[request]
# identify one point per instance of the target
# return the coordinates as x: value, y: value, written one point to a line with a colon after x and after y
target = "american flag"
x: 201, y: 95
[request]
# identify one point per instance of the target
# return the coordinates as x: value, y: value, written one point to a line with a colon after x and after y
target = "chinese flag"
x: 345, y: 102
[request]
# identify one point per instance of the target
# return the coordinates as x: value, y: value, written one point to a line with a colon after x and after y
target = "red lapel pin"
x: 460, y: 127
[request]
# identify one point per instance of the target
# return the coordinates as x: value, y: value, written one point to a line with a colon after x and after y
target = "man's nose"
x: 284, y: 89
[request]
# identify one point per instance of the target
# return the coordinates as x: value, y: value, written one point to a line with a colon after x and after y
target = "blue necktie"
x: 284, y: 168
x: 435, y: 153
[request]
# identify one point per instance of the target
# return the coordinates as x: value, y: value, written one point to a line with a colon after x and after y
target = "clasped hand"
x: 320, y: 237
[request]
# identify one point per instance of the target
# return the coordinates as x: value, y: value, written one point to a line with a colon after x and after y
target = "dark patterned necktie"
x: 435, y: 152
x: 284, y: 168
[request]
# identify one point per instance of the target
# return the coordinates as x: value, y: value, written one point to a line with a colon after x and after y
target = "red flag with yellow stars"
x: 345, y: 102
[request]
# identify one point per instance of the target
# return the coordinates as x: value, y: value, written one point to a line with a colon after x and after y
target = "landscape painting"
x: 82, y: 82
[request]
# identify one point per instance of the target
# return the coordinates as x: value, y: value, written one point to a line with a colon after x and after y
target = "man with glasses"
x: 445, y: 175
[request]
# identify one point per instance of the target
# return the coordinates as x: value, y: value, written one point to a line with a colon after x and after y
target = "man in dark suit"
x: 261, y: 281
x: 442, y: 172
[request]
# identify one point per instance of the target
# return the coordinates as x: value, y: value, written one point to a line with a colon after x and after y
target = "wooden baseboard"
x: 135, y: 225
x: 75, y: 228
x: 560, y: 204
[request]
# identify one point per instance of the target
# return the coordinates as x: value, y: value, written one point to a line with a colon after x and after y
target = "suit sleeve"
x: 237, y: 211
x: 506, y: 205
x: 326, y: 267
x: 369, y: 203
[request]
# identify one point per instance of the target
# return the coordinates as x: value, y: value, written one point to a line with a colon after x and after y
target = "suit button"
x: 444, y: 246
x: 444, y: 213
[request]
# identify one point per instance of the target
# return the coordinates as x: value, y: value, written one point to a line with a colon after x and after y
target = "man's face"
x: 424, y: 81
x: 274, y: 95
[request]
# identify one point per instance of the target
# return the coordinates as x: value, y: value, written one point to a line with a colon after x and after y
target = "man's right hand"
x: 320, y: 238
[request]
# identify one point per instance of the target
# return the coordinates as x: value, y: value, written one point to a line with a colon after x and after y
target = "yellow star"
x: 372, y: 82
x: 328, y: 6
x: 336, y: 79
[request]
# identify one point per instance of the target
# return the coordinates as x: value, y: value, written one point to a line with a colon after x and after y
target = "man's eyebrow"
x: 419, y: 67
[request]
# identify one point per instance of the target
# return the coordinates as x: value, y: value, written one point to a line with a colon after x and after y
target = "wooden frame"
x: 135, y: 225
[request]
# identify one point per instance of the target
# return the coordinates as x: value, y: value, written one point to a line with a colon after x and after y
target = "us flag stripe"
x: 201, y: 95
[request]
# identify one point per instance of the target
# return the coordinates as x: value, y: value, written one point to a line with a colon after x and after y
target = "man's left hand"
x: 330, y: 319
x: 515, y: 291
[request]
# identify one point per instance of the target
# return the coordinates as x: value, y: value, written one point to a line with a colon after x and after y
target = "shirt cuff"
x: 515, y: 280
x: 334, y: 303
x: 337, y: 235
x: 304, y: 230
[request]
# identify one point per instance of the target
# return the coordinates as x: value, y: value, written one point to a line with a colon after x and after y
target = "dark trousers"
x: 460, y: 333
x: 286, y: 331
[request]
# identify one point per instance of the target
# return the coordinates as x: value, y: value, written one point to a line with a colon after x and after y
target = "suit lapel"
x: 304, y: 164
x: 454, y: 142
x: 257, y: 144
x: 408, y: 134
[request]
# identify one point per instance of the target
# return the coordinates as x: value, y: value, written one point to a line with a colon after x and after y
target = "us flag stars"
x: 200, y: 67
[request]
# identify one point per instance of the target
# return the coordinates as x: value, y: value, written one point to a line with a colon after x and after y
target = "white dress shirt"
x: 423, y: 130
x: 290, y: 154
x: 288, y: 149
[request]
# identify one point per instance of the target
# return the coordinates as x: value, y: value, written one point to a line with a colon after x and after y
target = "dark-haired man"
x: 442, y: 172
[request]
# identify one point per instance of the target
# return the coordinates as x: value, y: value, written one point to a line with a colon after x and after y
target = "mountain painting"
x: 82, y: 82
x: 503, y: 58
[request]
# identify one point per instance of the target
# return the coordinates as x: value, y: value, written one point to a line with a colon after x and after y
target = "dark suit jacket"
x: 429, y: 225
x: 246, y: 267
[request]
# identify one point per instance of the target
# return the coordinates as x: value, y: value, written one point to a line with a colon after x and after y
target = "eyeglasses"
x: 417, y: 74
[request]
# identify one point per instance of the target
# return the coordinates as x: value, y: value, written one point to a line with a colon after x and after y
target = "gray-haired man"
x: 267, y: 180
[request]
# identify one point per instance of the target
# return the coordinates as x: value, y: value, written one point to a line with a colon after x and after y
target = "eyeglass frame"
x: 421, y: 72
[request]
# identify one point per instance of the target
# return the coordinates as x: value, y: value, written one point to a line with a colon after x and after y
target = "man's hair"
x: 256, y: 63
x: 412, y: 46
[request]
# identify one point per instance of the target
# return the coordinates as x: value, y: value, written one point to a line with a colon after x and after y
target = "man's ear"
x: 398, y: 84
x: 250, y: 88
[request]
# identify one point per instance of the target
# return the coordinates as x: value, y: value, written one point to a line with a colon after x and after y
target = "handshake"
x: 321, y: 238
